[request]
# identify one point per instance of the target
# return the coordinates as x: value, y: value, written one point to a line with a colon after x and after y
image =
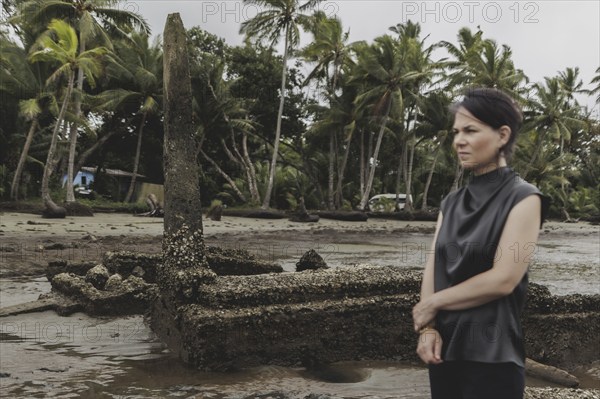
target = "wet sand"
x: 49, y: 355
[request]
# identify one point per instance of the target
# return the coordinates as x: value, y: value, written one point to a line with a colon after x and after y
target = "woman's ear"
x: 505, y: 134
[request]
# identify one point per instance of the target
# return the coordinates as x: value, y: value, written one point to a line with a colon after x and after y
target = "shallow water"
x: 47, y: 355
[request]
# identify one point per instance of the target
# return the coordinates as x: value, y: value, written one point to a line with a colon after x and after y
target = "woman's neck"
x: 499, y: 163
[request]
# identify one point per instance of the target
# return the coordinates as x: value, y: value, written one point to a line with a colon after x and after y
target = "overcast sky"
x: 545, y: 36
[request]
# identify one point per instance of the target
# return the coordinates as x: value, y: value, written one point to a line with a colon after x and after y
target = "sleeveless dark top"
x: 473, y: 220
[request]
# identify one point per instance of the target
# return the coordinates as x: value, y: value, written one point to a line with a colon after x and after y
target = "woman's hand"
x: 423, y: 313
x: 429, y: 347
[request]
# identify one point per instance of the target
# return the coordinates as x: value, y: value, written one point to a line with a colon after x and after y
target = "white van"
x: 385, y: 202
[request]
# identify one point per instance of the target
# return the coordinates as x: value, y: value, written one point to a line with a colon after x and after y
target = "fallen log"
x: 28, y: 307
x: 353, y: 216
x: 60, y: 304
x: 550, y: 373
x: 304, y: 218
x: 255, y: 213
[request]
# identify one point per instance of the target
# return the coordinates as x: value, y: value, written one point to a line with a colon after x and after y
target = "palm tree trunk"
x: 85, y: 155
x: 73, y: 131
x: 253, y: 184
x: 368, y: 158
x: 341, y: 171
x: 49, y: 160
x: 136, y: 161
x: 14, y: 188
x: 424, y: 206
x: 457, y: 176
x: 331, y: 170
x: 71, y: 161
x: 365, y: 198
x: 399, y: 176
x: 332, y: 144
x: 239, y: 159
x: 225, y: 176
x: 362, y: 161
x: 267, y: 198
x: 404, y: 169
x: 408, y: 206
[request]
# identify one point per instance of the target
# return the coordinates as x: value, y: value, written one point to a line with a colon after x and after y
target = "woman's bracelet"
x: 425, y: 329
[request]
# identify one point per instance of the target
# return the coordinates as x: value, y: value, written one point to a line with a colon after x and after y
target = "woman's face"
x: 477, y: 144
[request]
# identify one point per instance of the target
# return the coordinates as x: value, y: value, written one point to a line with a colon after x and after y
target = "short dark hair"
x: 494, y: 108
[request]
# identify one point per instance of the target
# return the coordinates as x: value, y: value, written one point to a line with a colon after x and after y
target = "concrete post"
x: 185, y: 265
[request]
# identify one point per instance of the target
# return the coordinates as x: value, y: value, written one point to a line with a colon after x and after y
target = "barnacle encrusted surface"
x: 184, y: 267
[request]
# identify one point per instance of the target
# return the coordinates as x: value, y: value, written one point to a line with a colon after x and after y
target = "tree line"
x: 81, y: 84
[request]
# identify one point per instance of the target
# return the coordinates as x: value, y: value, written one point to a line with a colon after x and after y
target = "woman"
x: 474, y: 286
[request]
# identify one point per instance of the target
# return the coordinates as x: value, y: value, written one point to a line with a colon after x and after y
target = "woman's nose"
x: 459, y: 139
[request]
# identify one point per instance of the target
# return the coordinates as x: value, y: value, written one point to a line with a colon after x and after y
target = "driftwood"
x: 550, y: 373
x: 156, y: 209
x: 52, y: 211
x: 302, y: 215
x: 421, y: 216
x: 77, y: 209
x: 61, y: 304
x: 153, y: 202
x: 255, y: 213
x: 302, y: 218
x: 354, y: 216
x: 215, y: 213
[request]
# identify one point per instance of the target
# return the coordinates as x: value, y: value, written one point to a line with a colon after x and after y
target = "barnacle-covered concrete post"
x: 185, y: 266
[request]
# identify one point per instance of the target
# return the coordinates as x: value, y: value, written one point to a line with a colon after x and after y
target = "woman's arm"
x: 429, y: 346
x: 427, y: 288
x: 517, y: 243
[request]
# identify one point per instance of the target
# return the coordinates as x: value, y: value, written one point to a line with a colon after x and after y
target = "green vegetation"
x: 369, y: 117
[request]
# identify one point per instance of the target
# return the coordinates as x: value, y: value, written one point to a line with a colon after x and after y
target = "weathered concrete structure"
x: 346, y: 314
x: 126, y: 282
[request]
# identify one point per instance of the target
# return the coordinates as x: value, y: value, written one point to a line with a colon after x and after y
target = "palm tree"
x: 480, y: 62
x: 24, y: 81
x: 495, y: 68
x: 329, y: 50
x: 417, y: 59
x: 220, y: 116
x: 92, y: 19
x: 59, y: 45
x: 279, y: 18
x: 382, y: 67
x: 571, y: 84
x: 468, y: 49
x: 435, y: 121
x: 138, y: 67
x: 340, y: 116
x: 596, y: 89
x: 552, y: 115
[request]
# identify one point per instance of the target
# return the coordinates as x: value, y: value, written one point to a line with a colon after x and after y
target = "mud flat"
x: 566, y: 261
